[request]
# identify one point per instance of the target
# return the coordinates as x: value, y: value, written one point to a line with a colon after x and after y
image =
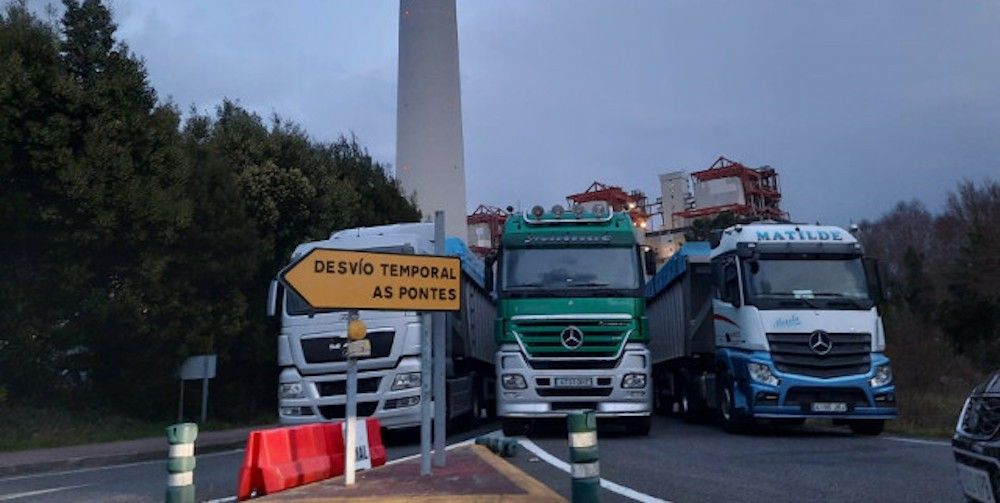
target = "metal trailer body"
x: 312, y: 378
x: 729, y: 339
x: 568, y: 341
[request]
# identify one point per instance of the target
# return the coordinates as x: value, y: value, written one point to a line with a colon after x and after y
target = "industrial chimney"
x: 429, y: 152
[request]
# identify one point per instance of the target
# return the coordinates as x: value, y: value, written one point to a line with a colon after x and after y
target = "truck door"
x: 727, y: 302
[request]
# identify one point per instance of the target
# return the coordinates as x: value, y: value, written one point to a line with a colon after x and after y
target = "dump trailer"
x: 313, y: 371
x: 570, y: 319
x: 771, y: 321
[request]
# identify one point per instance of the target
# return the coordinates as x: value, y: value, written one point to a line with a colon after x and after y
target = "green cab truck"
x: 571, y: 329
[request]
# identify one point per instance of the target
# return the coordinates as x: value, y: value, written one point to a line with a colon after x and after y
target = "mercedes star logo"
x: 571, y: 338
x: 820, y: 343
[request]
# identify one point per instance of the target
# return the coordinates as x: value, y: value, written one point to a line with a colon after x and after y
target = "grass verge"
x: 37, y: 428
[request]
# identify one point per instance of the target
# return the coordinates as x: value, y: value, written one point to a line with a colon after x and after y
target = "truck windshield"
x: 599, y: 270
x: 836, y: 282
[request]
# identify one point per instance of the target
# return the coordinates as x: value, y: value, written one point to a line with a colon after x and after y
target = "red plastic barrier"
x: 283, y: 458
x: 375, y: 441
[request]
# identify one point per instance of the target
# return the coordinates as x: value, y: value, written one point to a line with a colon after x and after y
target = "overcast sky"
x: 857, y: 104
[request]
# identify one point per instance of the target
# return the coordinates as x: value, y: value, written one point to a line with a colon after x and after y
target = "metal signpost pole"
x: 350, y: 421
x: 439, y: 345
x: 425, y: 394
x: 351, y: 412
x: 204, y: 391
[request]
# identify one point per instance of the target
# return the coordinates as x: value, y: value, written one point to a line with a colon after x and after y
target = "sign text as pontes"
x: 342, y: 279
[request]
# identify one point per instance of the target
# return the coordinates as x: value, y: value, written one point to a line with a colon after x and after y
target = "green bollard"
x: 582, y: 428
x: 180, y: 463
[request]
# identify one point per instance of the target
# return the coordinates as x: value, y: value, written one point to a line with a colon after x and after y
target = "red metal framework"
x: 634, y: 202
x: 492, y: 216
x: 760, y: 190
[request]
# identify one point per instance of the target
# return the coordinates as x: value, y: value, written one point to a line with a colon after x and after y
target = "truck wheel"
x: 637, y: 425
x: 514, y: 427
x: 871, y: 427
x: 690, y: 406
x: 732, y: 421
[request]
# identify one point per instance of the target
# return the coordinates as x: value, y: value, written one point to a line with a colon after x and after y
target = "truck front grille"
x: 338, y: 388
x: 981, y: 417
x: 543, y: 339
x: 330, y: 349
x: 365, y: 409
x: 850, y: 354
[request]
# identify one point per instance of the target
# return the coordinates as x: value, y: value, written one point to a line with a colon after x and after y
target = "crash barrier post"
x: 582, y: 429
x: 181, y: 462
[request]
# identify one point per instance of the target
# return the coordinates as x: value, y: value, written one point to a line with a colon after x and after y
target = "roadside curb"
x: 71, y: 463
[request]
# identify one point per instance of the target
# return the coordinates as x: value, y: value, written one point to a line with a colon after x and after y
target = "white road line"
x: 109, y: 467
x: 919, y: 441
x: 14, y: 496
x: 222, y: 500
x: 607, y: 484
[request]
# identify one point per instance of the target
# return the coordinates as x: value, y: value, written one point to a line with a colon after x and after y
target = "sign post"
x: 333, y: 280
x: 194, y: 368
x: 440, y: 413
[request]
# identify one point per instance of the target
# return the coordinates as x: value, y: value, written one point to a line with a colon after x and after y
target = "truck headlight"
x: 762, y: 373
x: 291, y: 390
x: 883, y: 376
x: 406, y: 381
x: 633, y: 381
x: 513, y: 381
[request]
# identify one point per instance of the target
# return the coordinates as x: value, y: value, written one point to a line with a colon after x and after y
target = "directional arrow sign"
x: 341, y: 279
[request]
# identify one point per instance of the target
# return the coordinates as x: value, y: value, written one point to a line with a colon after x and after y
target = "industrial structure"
x: 485, y: 227
x: 730, y: 186
x: 429, y: 151
x: 598, y: 193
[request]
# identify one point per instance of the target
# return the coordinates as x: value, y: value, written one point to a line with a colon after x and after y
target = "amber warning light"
x: 342, y: 279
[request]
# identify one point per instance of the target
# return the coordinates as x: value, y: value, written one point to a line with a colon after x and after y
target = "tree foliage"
x: 135, y: 236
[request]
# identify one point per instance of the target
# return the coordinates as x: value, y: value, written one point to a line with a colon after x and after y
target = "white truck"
x: 773, y: 321
x: 312, y: 379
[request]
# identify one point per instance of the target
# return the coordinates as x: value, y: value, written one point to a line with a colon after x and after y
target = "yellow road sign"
x: 341, y: 279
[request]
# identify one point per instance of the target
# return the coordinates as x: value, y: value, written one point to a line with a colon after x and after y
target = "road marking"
x: 919, y: 441
x: 109, y: 467
x: 221, y: 500
x: 14, y: 496
x: 628, y: 492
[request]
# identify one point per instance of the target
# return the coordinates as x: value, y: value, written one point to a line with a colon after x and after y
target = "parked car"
x: 977, y: 442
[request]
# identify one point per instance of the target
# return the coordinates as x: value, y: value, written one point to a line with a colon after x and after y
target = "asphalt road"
x: 676, y: 462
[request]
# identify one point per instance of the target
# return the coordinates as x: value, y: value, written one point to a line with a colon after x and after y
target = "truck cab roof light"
x: 558, y: 211
x: 537, y: 211
x: 578, y: 210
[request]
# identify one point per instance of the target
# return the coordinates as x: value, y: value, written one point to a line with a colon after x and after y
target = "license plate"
x: 829, y: 407
x: 976, y: 484
x: 573, y: 382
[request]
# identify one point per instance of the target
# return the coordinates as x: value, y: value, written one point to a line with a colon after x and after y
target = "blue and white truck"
x: 771, y: 321
x: 313, y: 371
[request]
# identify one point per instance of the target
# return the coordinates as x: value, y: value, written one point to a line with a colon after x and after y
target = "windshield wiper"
x: 785, y: 297
x: 857, y: 303
x: 526, y: 288
x: 585, y: 284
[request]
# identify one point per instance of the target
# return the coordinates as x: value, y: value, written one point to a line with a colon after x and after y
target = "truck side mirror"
x: 649, y: 261
x: 874, y: 273
x: 490, y: 259
x: 272, y: 298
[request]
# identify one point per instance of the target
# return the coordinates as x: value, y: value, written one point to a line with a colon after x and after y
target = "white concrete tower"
x: 429, y: 153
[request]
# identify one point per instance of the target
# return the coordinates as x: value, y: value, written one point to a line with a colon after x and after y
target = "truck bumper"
x: 795, y: 395
x: 544, y: 398
x: 325, y: 397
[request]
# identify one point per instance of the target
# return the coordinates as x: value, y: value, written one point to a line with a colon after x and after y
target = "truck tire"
x: 514, y: 427
x: 638, y: 425
x: 690, y: 406
x: 871, y: 427
x: 730, y: 418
